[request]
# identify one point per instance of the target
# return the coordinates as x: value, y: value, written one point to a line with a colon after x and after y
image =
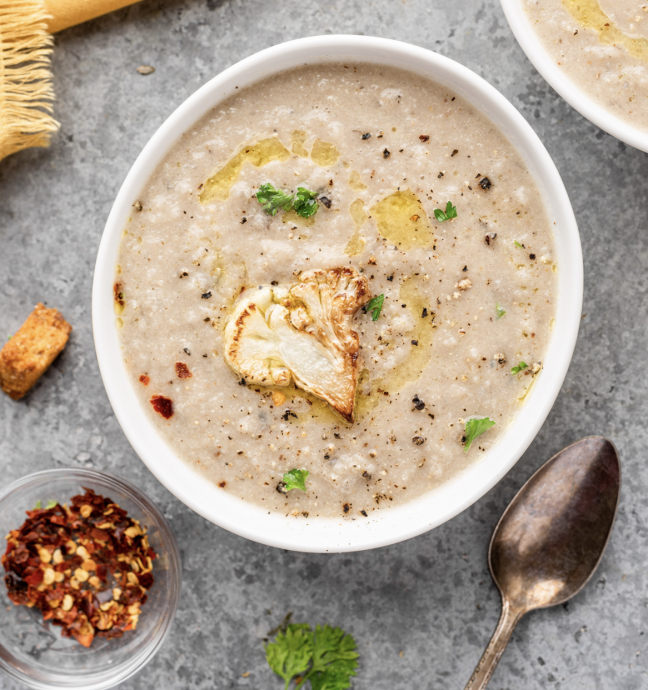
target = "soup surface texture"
x: 466, y: 299
x: 602, y: 45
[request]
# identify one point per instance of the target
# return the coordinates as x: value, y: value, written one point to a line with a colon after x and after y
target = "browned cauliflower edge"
x: 301, y: 333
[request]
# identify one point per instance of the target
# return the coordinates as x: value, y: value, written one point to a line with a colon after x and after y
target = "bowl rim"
x: 133, y: 664
x: 386, y: 526
x: 568, y: 89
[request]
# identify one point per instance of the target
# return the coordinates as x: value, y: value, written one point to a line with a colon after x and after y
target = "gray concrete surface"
x: 422, y: 610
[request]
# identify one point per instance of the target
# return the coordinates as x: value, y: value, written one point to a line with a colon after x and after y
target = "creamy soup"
x: 467, y: 309
x: 602, y: 45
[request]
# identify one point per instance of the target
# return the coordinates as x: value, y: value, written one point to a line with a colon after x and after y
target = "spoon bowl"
x: 551, y: 537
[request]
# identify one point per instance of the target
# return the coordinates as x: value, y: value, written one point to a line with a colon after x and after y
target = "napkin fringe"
x: 26, y: 91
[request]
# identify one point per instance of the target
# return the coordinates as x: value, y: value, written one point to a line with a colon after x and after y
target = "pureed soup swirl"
x: 602, y: 46
x: 419, y: 198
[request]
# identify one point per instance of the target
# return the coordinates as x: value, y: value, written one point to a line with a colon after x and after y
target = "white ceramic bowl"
x: 394, y: 524
x: 580, y: 100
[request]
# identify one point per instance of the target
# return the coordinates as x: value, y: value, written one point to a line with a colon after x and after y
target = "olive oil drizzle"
x: 218, y: 186
x: 588, y: 13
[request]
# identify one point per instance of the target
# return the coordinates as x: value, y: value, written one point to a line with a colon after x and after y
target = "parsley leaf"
x: 273, y: 199
x: 295, y: 479
x: 450, y: 212
x: 290, y: 653
x: 327, y: 657
x: 475, y: 428
x: 304, y: 201
x: 51, y: 504
x: 519, y: 368
x: 518, y: 245
x: 499, y: 310
x: 375, y: 307
x: 305, y: 204
x: 38, y: 505
x: 334, y: 659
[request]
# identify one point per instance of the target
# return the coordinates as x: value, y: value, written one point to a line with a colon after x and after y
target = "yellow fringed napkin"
x: 25, y: 81
x: 26, y: 92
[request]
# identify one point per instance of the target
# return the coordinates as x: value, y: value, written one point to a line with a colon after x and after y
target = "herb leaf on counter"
x: 375, y: 307
x: 450, y: 212
x: 500, y: 310
x: 334, y: 659
x: 475, y: 428
x: 326, y: 657
x: 291, y: 652
x: 520, y: 367
x: 295, y: 479
x: 304, y: 202
x: 518, y: 245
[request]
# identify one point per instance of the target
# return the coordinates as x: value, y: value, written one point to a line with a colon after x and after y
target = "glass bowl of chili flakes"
x: 92, y: 579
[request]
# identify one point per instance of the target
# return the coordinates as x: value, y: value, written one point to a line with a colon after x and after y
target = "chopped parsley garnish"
x: 375, y: 307
x: 295, y: 479
x: 450, y: 212
x: 518, y: 245
x: 500, y: 310
x: 38, y: 505
x: 520, y: 367
x: 326, y: 657
x: 304, y: 201
x: 273, y: 199
x: 475, y: 428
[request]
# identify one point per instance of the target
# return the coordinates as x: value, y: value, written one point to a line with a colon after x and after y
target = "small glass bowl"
x: 33, y: 651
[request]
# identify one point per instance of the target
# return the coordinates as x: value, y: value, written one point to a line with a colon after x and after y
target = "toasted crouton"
x: 30, y: 351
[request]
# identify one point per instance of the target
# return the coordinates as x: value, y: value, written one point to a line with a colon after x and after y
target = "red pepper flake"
x: 163, y: 405
x: 86, y: 567
x: 424, y: 137
x: 144, y: 379
x: 182, y: 370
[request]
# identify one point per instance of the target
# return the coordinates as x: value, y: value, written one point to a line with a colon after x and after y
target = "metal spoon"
x: 551, y: 537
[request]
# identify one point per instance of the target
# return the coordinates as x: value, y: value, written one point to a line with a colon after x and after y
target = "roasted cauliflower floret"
x: 301, y: 333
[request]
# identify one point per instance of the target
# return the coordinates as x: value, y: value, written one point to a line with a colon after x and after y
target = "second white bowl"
x: 580, y: 100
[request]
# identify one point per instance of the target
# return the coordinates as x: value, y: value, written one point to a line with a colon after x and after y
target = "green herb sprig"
x: 304, y: 202
x: 375, y: 307
x: 450, y: 212
x: 326, y: 657
x: 520, y: 367
x: 518, y: 245
x: 499, y: 310
x: 295, y: 479
x: 475, y: 428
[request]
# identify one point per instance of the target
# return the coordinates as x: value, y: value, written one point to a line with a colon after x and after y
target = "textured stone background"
x: 422, y: 611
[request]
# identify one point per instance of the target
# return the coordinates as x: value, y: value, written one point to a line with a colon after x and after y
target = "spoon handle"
x: 488, y: 663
